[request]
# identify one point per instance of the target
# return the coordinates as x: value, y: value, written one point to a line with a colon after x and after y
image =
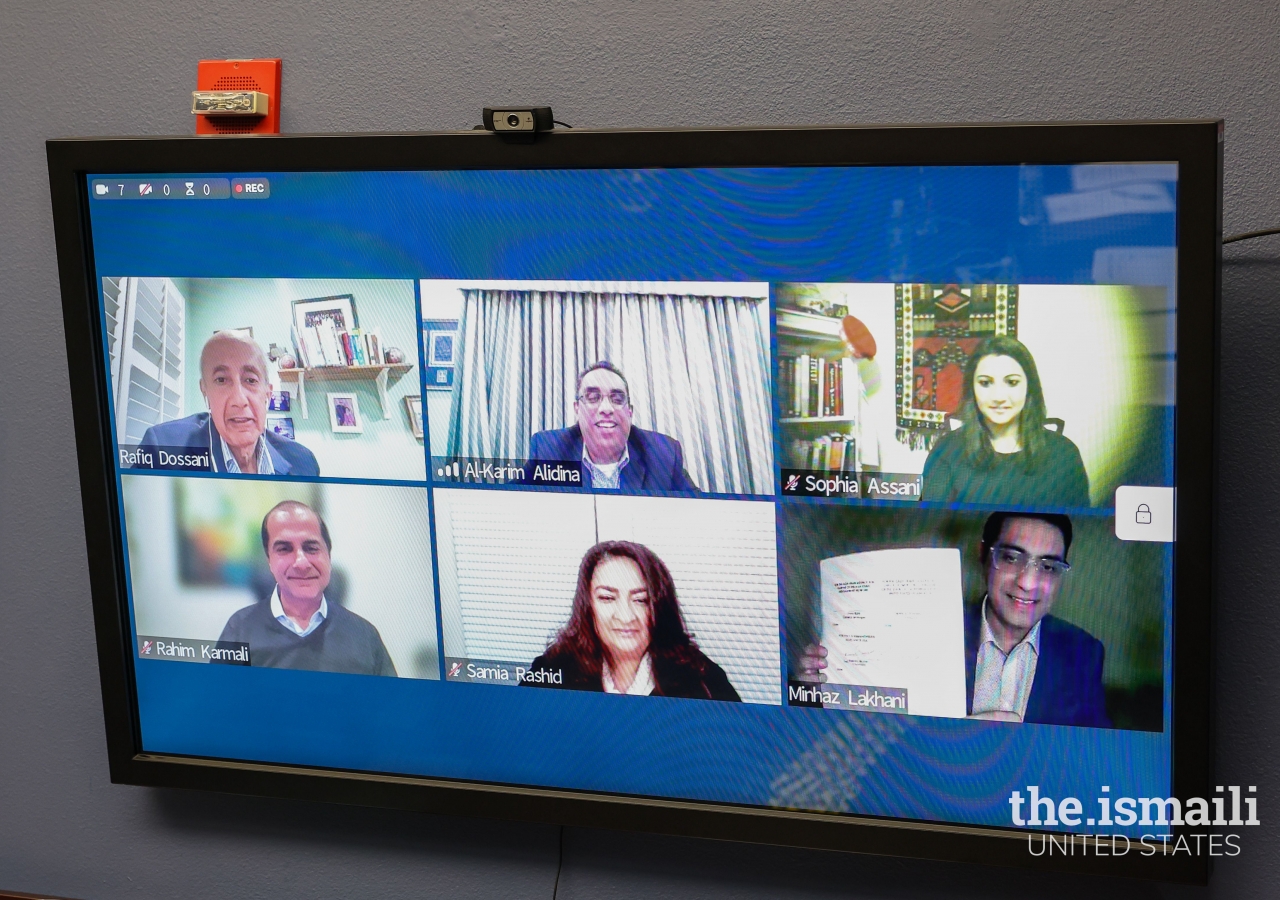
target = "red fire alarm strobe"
x: 237, y: 96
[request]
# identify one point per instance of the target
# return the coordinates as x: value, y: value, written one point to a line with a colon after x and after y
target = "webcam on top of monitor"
x: 518, y: 124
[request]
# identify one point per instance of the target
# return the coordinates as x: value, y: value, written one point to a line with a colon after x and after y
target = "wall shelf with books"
x: 820, y: 393
x: 812, y: 325
x: 814, y: 420
x: 378, y: 374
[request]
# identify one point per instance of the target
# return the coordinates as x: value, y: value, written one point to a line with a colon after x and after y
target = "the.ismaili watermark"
x: 1231, y: 807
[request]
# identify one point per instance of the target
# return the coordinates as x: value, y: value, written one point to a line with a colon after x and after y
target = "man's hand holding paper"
x: 893, y: 631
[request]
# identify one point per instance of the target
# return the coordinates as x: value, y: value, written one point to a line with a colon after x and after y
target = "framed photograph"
x: 413, y: 407
x: 440, y: 337
x: 279, y: 402
x: 340, y: 310
x: 344, y: 413
x: 440, y: 348
x: 281, y: 426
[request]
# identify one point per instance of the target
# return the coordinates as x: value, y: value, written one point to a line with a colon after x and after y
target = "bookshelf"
x: 377, y: 374
x: 823, y: 412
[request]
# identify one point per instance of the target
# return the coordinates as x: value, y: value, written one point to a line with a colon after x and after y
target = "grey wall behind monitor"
x: 70, y: 67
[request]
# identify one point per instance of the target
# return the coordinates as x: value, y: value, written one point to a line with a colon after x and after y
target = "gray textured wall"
x: 69, y: 67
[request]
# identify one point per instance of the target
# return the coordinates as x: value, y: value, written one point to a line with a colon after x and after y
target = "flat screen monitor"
x: 845, y: 488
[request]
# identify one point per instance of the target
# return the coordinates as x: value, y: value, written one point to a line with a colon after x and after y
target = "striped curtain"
x: 698, y: 370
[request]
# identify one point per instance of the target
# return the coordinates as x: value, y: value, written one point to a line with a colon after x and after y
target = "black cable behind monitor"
x: 1247, y: 235
x: 559, y: 866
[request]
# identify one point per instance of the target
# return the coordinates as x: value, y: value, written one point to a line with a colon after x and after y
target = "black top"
x: 344, y: 642
x: 1055, y: 478
x: 695, y: 678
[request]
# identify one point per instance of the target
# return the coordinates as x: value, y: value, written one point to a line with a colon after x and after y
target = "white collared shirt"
x: 317, y: 617
x: 641, y: 685
x: 1003, y: 681
x: 261, y: 455
x: 606, y: 476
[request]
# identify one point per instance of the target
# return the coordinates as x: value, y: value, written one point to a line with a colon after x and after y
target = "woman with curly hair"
x: 626, y: 634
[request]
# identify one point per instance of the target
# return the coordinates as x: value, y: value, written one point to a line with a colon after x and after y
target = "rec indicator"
x: 250, y: 188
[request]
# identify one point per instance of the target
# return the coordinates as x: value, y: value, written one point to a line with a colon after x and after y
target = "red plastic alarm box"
x: 240, y: 75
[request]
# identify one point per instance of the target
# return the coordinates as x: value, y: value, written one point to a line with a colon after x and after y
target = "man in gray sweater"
x: 297, y: 628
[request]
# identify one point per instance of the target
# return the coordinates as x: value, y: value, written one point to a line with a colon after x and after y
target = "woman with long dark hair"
x: 1003, y: 453
x: 626, y: 634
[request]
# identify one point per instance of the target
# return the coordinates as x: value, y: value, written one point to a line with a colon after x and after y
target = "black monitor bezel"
x: 1196, y: 146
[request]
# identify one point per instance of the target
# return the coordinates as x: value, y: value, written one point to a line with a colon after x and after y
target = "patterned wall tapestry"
x: 938, y: 328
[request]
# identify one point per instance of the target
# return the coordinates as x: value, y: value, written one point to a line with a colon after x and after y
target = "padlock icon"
x: 1143, y: 515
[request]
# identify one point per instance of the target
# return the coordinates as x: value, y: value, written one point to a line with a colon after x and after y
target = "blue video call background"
x: 940, y: 224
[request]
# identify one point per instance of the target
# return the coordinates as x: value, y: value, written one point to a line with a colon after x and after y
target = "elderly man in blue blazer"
x: 232, y: 437
x: 614, y: 454
x: 1021, y: 663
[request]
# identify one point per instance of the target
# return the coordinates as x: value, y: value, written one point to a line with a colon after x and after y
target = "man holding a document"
x: 1020, y: 664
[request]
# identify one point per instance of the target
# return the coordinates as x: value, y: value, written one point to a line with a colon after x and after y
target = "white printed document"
x: 893, y: 626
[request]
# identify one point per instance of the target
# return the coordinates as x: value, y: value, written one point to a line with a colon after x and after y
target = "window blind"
x: 723, y: 557
x: 509, y: 564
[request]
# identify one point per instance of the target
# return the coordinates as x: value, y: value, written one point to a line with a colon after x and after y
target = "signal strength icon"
x: 449, y: 470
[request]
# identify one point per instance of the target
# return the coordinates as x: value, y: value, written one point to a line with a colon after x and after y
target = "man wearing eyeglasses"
x: 614, y: 454
x: 1021, y: 663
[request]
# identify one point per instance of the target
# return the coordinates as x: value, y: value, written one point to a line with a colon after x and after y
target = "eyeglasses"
x: 594, y: 396
x: 1006, y: 557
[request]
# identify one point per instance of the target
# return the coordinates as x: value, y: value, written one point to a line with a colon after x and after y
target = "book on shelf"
x: 786, y: 389
x: 829, y: 453
x: 309, y: 349
x: 323, y: 345
x: 835, y: 454
x: 815, y: 387
x: 801, y: 365
x: 333, y: 354
x: 832, y: 394
x: 812, y: 387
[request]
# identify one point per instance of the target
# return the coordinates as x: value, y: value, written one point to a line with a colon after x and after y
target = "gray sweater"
x: 344, y: 642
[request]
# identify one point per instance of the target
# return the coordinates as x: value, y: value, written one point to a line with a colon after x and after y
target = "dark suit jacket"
x: 196, y: 434
x: 1067, y: 689
x: 697, y: 679
x: 656, y: 461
